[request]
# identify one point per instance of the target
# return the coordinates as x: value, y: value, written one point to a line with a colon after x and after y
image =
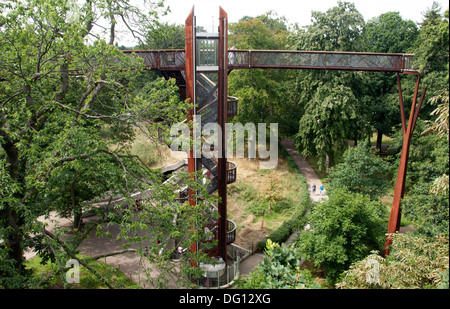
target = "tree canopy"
x: 71, y: 104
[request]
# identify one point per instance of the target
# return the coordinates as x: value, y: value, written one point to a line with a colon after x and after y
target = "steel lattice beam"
x: 174, y: 60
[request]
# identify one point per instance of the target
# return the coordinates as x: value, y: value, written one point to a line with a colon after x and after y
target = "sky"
x: 295, y: 11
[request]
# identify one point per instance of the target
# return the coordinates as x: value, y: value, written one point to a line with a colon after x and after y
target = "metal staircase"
x: 207, y: 107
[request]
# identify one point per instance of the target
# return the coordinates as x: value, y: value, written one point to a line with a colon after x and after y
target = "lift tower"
x: 206, y: 61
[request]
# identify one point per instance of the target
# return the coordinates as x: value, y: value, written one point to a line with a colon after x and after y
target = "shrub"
x: 280, y: 269
x: 413, y: 263
x: 361, y: 172
x: 344, y: 229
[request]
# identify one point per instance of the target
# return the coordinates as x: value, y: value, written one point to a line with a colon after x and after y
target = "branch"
x: 97, y: 257
x: 54, y: 253
x: 112, y: 34
x: 132, y: 31
x: 80, y: 113
x: 67, y: 250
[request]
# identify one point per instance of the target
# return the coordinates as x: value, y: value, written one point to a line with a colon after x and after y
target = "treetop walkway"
x: 207, y: 54
x: 174, y: 60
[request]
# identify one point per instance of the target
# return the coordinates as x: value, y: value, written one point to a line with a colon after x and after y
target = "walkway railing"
x: 232, y: 106
x: 174, y: 60
x: 231, y: 172
x: 319, y: 60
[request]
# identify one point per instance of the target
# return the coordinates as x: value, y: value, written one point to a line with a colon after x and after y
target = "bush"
x: 344, y: 229
x: 413, y: 263
x: 280, y: 269
x: 361, y: 172
x: 297, y: 222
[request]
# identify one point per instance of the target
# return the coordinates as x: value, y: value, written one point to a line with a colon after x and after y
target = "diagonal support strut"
x: 408, y: 129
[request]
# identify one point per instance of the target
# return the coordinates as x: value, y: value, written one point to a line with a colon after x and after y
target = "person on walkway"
x: 314, y: 188
x: 321, y: 189
x: 231, y: 56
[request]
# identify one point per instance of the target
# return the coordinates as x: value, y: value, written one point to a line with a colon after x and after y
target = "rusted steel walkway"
x: 174, y: 60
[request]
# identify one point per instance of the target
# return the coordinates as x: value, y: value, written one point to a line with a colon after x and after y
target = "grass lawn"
x: 261, y: 200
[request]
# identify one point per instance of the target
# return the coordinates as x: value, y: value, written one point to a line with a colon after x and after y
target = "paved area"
x: 249, y: 263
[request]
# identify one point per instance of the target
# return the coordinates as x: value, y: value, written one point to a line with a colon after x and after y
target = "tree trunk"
x: 77, y: 210
x: 14, y: 239
x: 379, y: 140
x: 78, y: 218
x: 13, y: 220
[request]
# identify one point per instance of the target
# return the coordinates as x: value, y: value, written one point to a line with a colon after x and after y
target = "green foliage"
x: 263, y: 94
x: 164, y: 36
x: 266, y: 31
x: 163, y: 225
x: 389, y: 33
x: 432, y: 48
x: 429, y: 212
x: 49, y: 275
x: 344, y: 229
x: 280, y: 269
x: 333, y: 101
x: 413, y: 263
x: 428, y: 208
x: 69, y: 111
x: 340, y: 28
x: 323, y: 129
x: 361, y: 172
x: 295, y: 223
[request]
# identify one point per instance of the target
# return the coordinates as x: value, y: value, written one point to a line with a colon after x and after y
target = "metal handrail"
x: 232, y: 106
x: 231, y: 172
x: 174, y: 59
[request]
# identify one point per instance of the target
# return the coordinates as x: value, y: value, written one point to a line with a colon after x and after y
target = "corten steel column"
x: 190, y: 74
x: 222, y: 119
x: 394, y: 221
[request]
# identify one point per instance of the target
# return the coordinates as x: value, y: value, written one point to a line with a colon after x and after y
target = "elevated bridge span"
x: 174, y: 60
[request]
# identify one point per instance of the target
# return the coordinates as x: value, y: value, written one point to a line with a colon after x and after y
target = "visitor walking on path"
x: 312, y: 180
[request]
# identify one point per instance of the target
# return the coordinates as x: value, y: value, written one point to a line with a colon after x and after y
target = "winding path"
x: 306, y: 170
x: 311, y: 178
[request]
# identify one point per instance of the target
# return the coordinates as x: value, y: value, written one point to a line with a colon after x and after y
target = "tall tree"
x: 432, y: 49
x: 68, y: 109
x: 262, y: 93
x: 387, y: 33
x: 344, y: 229
x: 323, y: 129
x: 164, y: 36
x: 338, y: 29
x: 331, y: 115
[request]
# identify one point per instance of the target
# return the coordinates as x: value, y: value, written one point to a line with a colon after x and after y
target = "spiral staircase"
x: 207, y: 109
